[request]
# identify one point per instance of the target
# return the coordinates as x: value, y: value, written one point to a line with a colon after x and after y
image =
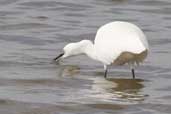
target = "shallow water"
x: 33, y: 32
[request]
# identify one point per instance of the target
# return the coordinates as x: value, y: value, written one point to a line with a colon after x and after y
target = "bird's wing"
x: 111, y: 41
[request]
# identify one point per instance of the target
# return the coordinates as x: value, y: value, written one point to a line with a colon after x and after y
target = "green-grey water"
x: 33, y: 32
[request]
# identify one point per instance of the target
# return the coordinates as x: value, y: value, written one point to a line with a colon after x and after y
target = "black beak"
x: 59, y: 56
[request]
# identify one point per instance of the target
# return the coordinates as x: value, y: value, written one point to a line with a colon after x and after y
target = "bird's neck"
x: 90, y: 51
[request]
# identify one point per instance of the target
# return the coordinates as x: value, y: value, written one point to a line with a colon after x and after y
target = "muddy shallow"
x: 33, y: 32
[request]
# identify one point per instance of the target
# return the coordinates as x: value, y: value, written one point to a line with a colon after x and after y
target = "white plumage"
x: 115, y: 42
x: 116, y: 37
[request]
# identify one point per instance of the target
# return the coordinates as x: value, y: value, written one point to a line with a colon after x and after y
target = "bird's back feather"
x: 117, y: 37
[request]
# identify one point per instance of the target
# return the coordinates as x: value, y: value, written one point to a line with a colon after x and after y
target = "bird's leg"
x: 105, y: 73
x: 131, y: 65
x: 133, y: 73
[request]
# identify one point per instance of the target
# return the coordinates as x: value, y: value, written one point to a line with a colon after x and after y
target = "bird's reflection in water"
x: 121, y: 89
x: 68, y: 70
x: 110, y: 88
x: 128, y: 88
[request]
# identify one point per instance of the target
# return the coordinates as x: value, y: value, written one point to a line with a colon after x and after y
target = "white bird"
x: 116, y: 43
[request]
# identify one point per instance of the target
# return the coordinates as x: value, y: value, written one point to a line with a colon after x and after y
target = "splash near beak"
x: 58, y: 57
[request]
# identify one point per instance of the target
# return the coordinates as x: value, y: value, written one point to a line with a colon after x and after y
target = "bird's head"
x: 72, y: 49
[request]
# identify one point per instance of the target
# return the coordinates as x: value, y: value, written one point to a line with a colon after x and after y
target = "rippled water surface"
x: 33, y: 32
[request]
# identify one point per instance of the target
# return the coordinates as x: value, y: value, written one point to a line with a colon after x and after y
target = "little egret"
x: 116, y: 43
